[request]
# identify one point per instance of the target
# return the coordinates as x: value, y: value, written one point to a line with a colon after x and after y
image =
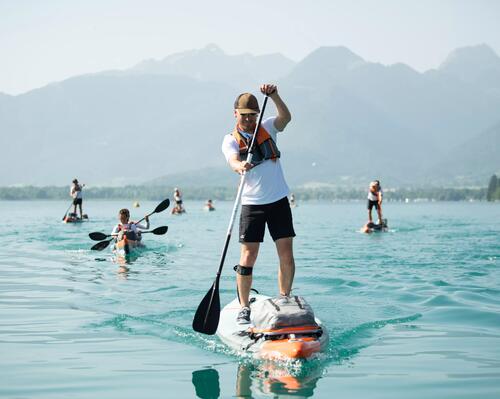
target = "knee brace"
x: 243, y: 270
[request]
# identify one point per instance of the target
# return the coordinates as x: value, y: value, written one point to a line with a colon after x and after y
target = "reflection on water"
x: 264, y: 378
x: 206, y: 383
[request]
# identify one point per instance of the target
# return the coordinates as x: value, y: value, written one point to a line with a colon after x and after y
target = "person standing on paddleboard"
x: 76, y: 193
x: 264, y: 197
x: 375, y: 196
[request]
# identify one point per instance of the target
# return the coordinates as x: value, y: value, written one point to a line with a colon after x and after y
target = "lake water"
x: 413, y: 313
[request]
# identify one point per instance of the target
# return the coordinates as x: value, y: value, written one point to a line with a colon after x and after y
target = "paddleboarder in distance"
x: 264, y: 196
x: 375, y: 200
x: 178, y: 208
x: 76, y: 192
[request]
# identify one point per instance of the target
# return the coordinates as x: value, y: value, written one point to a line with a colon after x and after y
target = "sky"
x: 43, y: 41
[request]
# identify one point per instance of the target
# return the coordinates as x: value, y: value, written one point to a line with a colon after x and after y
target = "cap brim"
x: 247, y: 111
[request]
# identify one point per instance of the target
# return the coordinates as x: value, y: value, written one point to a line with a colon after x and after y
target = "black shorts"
x: 372, y: 204
x: 277, y: 215
x: 77, y: 201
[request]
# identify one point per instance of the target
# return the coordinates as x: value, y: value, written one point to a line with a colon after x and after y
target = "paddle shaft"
x: 235, y: 210
x: 69, y: 207
x: 148, y: 215
x: 165, y: 202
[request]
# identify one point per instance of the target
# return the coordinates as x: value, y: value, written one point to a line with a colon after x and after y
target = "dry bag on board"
x: 282, y: 312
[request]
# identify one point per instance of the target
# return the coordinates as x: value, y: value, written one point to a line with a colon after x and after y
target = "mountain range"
x: 162, y: 121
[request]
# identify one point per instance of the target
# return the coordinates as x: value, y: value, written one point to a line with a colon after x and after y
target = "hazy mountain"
x: 353, y: 120
x: 207, y: 177
x: 112, y: 129
x: 479, y: 156
x: 435, y: 105
x: 212, y: 64
x: 324, y: 66
x: 478, y: 65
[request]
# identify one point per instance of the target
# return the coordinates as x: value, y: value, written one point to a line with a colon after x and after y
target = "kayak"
x: 72, y: 218
x: 126, y: 247
x: 300, y: 341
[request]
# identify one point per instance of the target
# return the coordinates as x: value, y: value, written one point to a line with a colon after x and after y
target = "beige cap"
x: 246, y: 103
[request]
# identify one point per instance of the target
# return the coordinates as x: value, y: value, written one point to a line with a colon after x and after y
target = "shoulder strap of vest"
x: 262, y: 135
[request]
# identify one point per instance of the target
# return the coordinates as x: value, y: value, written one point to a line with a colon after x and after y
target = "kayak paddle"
x: 101, y: 245
x: 206, y: 318
x: 160, y: 208
x: 159, y: 231
x: 98, y: 236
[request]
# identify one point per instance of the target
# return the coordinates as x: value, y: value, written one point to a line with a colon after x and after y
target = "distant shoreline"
x: 228, y: 193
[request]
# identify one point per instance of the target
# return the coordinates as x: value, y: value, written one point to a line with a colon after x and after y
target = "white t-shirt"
x: 265, y: 183
x: 74, y: 193
x: 374, y: 196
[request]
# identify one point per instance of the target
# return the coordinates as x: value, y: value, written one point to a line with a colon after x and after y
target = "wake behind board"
x: 297, y: 342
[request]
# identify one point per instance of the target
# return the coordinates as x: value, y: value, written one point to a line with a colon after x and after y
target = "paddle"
x: 103, y: 244
x: 206, y: 318
x: 160, y: 208
x: 98, y: 236
x: 69, y: 207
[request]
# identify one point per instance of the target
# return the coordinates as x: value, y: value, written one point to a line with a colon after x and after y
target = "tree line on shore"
x: 493, y: 192
x: 155, y: 193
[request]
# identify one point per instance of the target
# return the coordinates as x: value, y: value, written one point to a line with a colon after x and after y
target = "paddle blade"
x: 97, y: 236
x: 101, y: 245
x: 162, y: 206
x: 160, y: 230
x: 206, y: 319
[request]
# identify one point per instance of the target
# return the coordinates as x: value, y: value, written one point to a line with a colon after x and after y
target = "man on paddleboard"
x: 375, y: 196
x: 264, y: 197
x: 75, y: 192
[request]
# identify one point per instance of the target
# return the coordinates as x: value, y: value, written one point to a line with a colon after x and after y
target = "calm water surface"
x: 412, y: 313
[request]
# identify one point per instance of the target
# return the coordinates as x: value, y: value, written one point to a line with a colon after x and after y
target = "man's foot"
x: 243, y: 316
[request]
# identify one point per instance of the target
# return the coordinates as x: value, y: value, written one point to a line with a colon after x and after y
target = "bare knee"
x: 285, y: 250
x: 249, y: 255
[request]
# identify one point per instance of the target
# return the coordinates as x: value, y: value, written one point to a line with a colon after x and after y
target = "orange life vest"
x: 122, y: 227
x: 265, y: 149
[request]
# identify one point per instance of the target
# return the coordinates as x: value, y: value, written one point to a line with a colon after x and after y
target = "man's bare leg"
x: 287, y: 264
x: 248, y: 256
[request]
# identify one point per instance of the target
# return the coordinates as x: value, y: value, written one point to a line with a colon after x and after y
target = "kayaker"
x: 209, y: 205
x: 375, y: 200
x: 76, y: 192
x: 264, y: 197
x: 125, y: 226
